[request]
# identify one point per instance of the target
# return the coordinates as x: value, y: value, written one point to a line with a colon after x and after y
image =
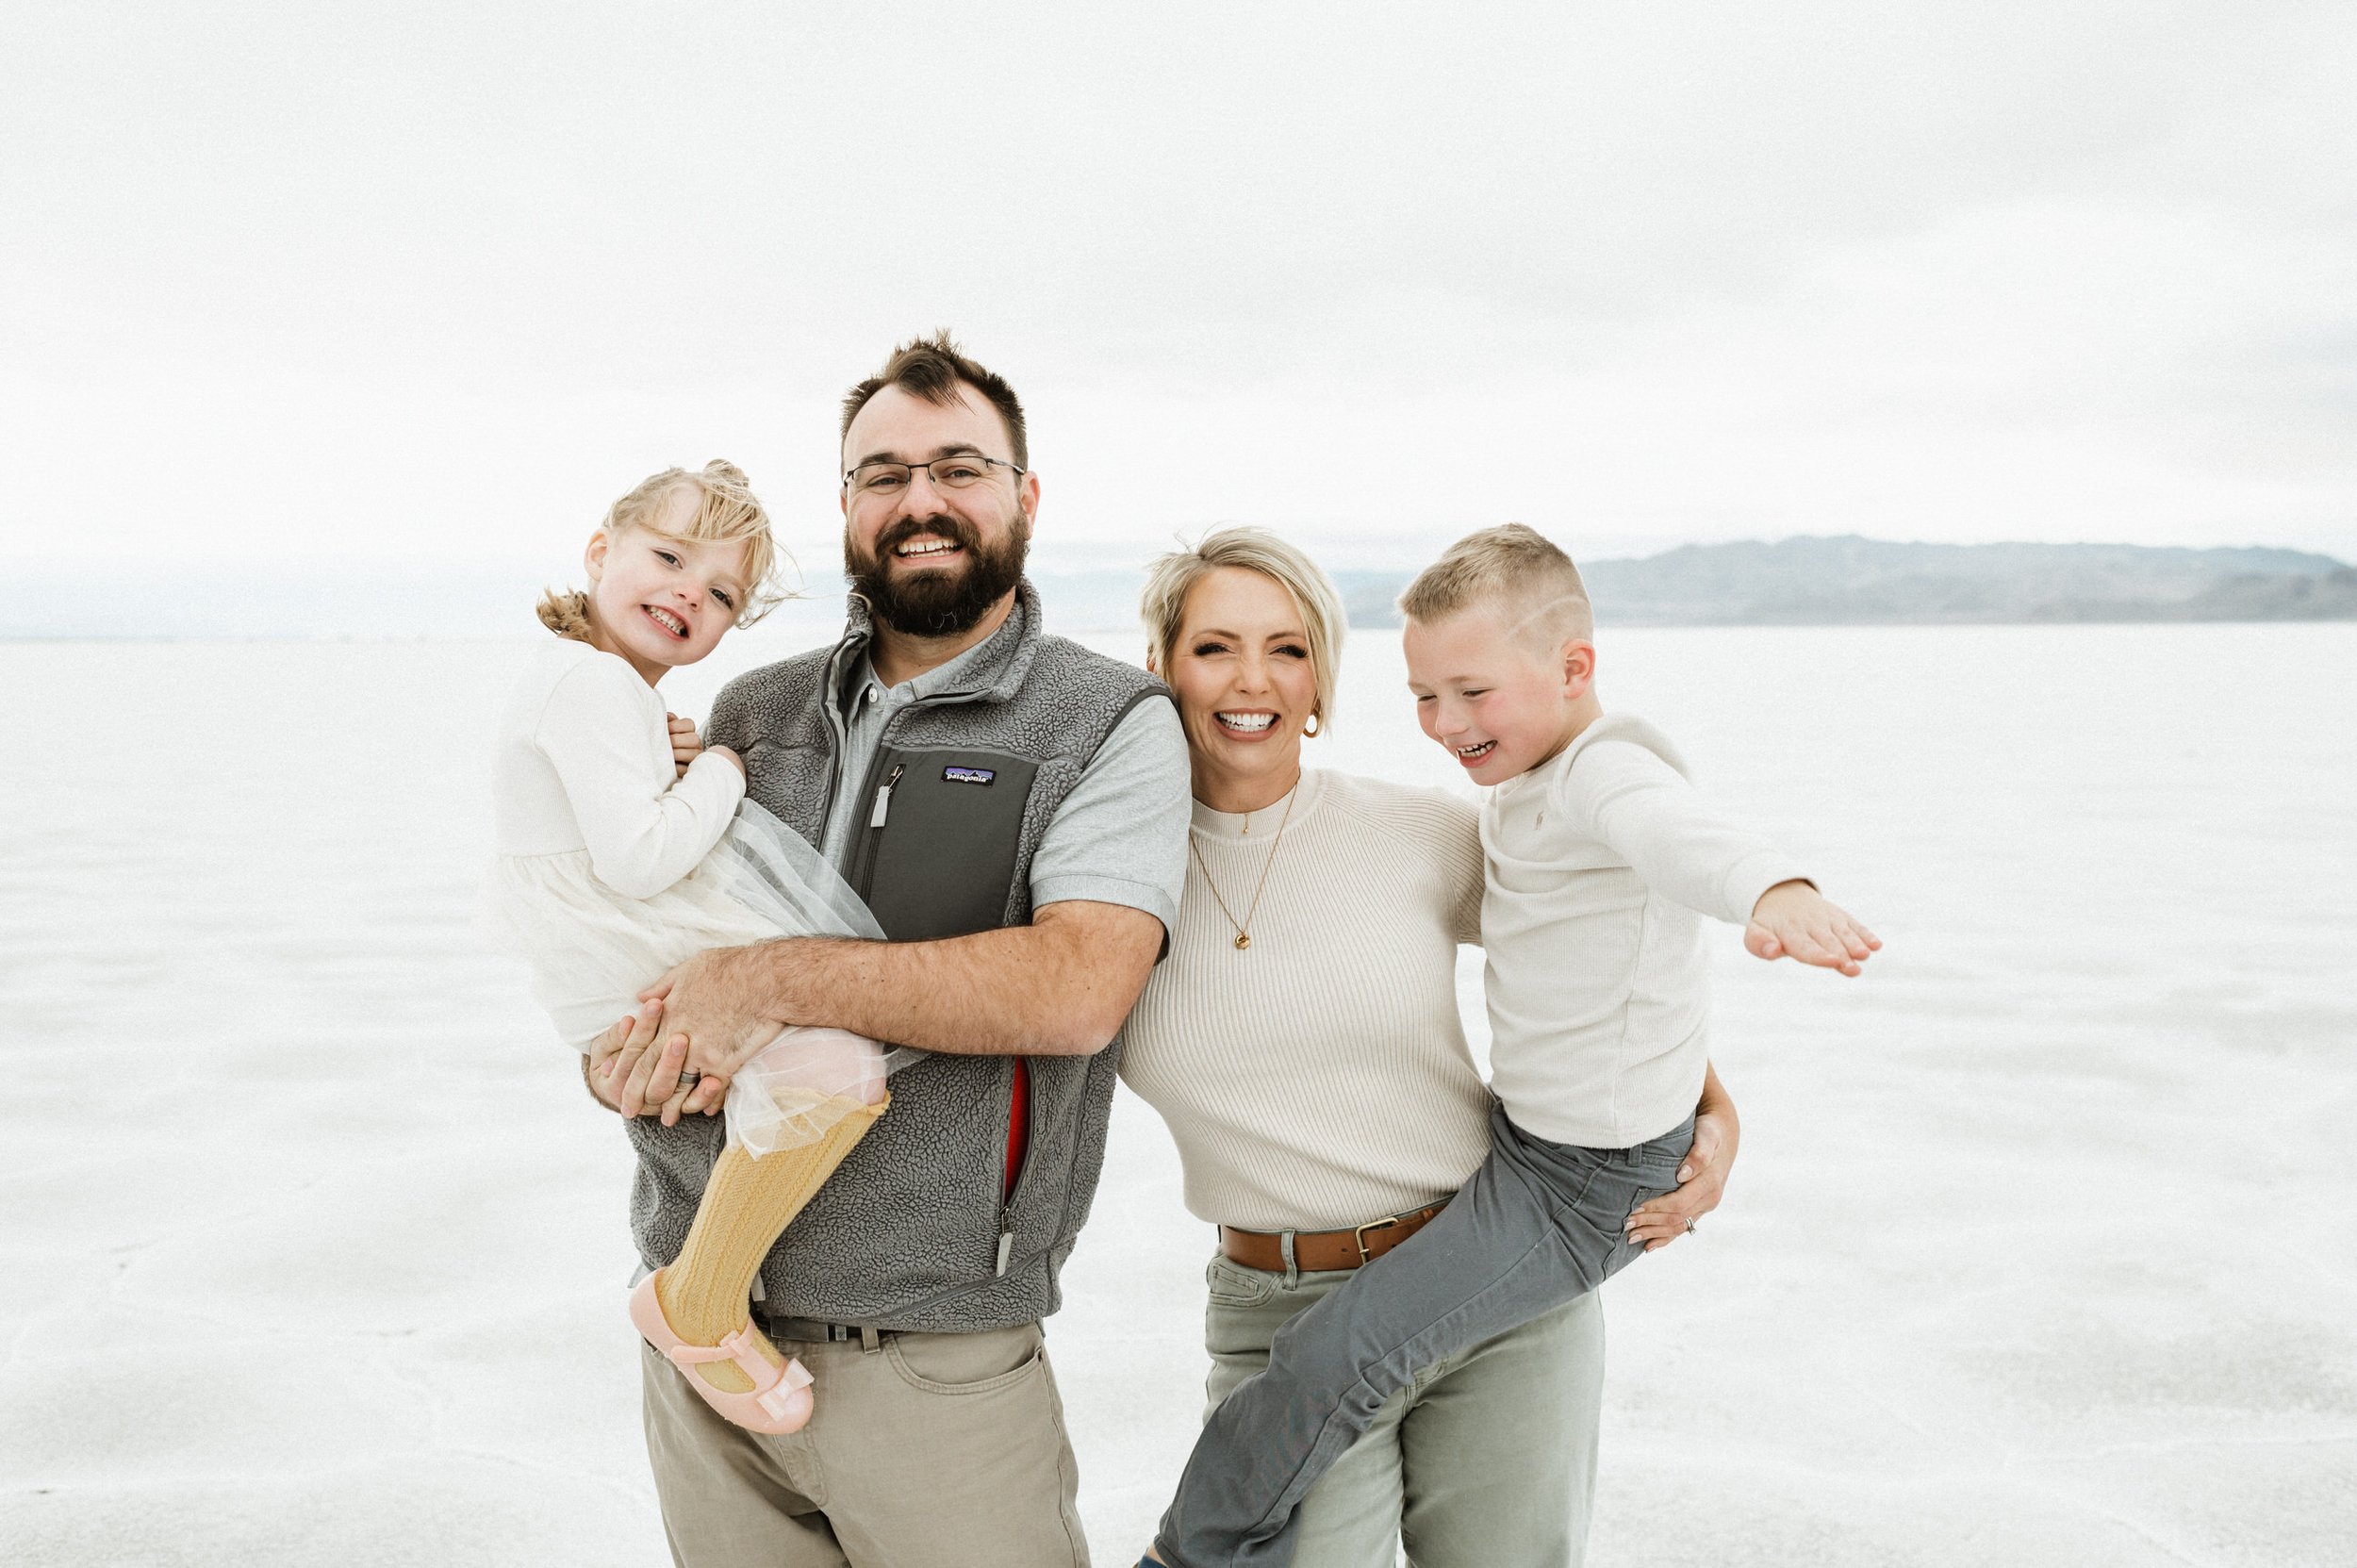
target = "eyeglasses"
x: 948, y: 473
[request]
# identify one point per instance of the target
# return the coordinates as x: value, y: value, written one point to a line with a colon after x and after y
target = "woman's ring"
x: 1689, y: 1225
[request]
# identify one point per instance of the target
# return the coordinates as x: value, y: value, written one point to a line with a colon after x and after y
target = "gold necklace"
x: 1243, y: 931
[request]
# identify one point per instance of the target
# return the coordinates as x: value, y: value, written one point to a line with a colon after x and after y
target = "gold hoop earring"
x: 1310, y: 729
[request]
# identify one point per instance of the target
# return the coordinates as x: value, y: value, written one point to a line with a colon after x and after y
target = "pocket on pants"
x: 1651, y: 1168
x: 1656, y: 1160
x: 1231, y: 1284
x: 965, y: 1363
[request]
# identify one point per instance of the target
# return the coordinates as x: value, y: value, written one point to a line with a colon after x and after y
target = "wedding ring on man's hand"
x: 689, y: 1076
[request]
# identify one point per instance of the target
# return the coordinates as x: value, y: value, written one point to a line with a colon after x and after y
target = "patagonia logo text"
x: 968, y: 775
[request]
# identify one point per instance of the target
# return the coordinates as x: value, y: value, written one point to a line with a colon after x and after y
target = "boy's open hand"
x: 685, y: 742
x: 1795, y: 920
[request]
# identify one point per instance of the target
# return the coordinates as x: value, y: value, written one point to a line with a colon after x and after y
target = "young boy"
x: 1603, y: 865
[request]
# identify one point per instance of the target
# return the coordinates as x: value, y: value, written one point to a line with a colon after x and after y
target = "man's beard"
x: 937, y: 603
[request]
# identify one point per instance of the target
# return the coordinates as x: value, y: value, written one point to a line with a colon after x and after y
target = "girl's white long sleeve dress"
x: 603, y: 874
x: 610, y: 867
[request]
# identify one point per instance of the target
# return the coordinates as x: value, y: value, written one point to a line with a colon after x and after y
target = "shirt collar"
x: 969, y: 671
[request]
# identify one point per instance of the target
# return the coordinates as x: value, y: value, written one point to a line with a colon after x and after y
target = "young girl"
x: 624, y: 845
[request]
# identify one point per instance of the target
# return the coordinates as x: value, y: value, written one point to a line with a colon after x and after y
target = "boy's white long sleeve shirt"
x: 1601, y: 867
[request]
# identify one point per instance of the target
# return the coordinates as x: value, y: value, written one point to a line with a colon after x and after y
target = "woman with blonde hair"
x: 1302, y: 1042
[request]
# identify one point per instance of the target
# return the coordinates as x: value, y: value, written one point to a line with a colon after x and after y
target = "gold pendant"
x: 1243, y: 941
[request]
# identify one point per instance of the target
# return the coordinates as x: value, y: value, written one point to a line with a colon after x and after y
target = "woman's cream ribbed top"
x: 1320, y: 1078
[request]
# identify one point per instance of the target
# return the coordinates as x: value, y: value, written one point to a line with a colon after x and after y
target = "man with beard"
x: 1014, y: 810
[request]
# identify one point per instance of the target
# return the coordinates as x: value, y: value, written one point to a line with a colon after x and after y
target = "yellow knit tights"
x: 746, y: 1204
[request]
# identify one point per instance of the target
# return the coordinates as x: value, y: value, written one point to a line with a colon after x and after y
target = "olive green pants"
x: 927, y: 1451
x: 1486, y: 1460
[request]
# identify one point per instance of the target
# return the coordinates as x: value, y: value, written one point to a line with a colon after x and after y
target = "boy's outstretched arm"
x: 1795, y: 920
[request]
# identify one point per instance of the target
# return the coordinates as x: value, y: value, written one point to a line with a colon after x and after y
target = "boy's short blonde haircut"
x: 1514, y: 568
x: 726, y: 509
x: 1172, y: 577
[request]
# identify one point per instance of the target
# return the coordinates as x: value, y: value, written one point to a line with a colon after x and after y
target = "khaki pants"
x: 1537, y: 1225
x: 929, y: 1450
x: 1487, y: 1459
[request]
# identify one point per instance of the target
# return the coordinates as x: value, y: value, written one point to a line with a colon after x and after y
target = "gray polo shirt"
x: 1120, y: 838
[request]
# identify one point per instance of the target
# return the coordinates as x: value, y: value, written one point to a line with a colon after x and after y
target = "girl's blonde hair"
x: 726, y: 509
x: 1172, y: 577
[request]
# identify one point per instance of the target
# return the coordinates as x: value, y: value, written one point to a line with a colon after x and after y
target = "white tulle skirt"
x: 590, y: 950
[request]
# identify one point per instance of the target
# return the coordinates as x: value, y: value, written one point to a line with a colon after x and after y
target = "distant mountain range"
x: 1848, y: 580
x: 1851, y: 581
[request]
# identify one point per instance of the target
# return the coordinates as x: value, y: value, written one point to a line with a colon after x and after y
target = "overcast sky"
x: 436, y: 281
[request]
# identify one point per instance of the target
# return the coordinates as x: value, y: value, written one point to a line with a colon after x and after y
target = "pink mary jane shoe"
x: 780, y: 1400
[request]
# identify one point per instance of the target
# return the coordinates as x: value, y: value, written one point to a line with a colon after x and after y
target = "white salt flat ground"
x: 2042, y: 1249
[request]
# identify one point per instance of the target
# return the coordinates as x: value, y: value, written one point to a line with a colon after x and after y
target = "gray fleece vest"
x: 913, y: 1230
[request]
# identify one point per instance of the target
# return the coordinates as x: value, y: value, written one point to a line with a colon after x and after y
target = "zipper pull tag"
x: 1006, y: 1245
x: 883, y: 796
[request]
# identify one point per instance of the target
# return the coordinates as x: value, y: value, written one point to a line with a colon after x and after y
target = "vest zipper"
x: 1023, y: 1173
x: 831, y: 681
x: 883, y: 796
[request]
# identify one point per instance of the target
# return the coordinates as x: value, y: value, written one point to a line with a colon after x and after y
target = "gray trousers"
x: 1487, y: 1459
x: 1539, y: 1225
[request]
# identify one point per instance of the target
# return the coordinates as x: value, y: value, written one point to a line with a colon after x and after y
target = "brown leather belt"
x: 1315, y: 1251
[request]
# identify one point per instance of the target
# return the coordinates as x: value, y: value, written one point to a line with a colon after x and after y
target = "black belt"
x: 812, y: 1330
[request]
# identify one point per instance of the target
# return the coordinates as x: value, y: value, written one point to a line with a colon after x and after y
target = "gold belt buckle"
x: 1358, y: 1234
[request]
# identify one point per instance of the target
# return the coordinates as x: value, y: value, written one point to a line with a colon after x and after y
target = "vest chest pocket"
x: 942, y: 830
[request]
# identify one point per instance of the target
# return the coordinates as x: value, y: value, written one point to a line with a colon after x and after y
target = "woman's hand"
x: 1701, y: 1176
x: 686, y: 743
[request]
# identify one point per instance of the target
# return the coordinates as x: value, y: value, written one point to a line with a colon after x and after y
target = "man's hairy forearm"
x: 1058, y: 987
